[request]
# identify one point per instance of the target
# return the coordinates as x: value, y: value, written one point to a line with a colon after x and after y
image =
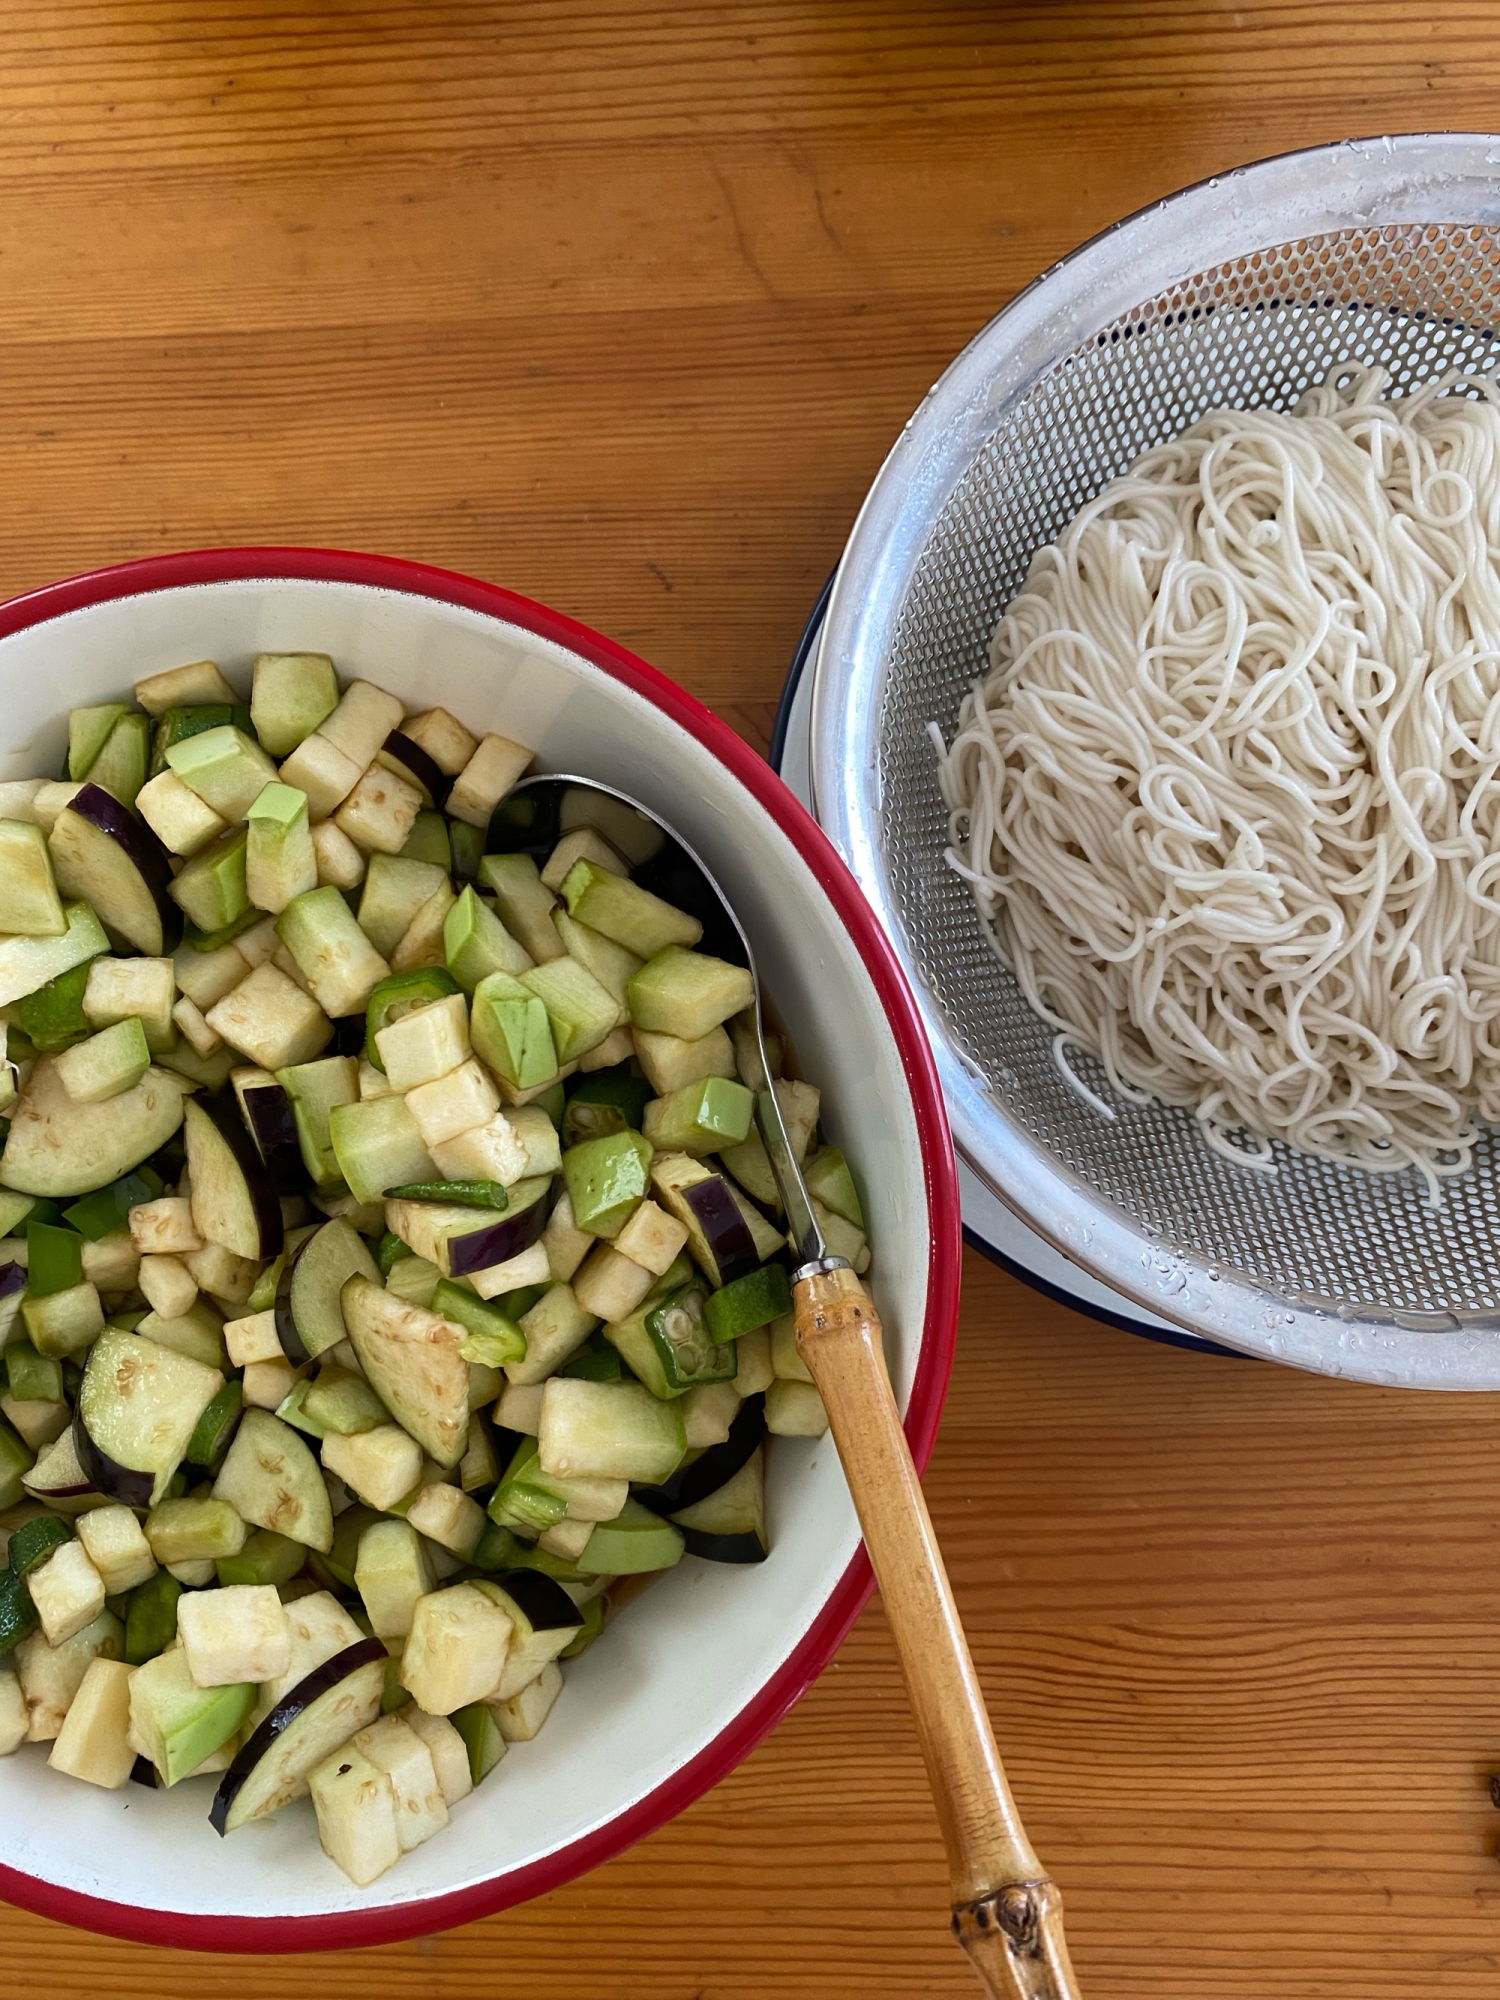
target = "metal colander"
x: 1240, y: 292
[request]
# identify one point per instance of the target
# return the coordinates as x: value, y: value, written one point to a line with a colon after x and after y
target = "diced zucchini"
x: 377, y: 1145
x: 625, y: 912
x: 607, y: 1179
x: 211, y: 888
x: 523, y: 905
x: 106, y: 1064
x: 226, y: 768
x: 315, y: 1090
x: 195, y: 1530
x: 581, y: 1011
x: 292, y: 694
x: 29, y: 963
x: 748, y: 1302
x: 829, y: 1179
x: 88, y: 732
x: 280, y: 862
x: 795, y: 1409
x: 29, y: 903
x: 687, y: 993
x: 634, y: 1543
x: 700, y: 1118
x: 476, y: 943
x: 429, y: 841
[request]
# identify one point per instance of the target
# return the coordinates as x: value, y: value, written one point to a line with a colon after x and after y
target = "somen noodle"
x: 1227, y: 797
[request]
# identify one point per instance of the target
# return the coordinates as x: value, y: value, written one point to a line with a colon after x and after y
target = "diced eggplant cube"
x: 443, y: 737
x: 493, y: 1151
x: 364, y: 718
x: 142, y: 989
x: 566, y: 1244
x: 339, y: 962
x: 106, y: 1065
x: 374, y: 1083
x: 611, y: 1052
x: 341, y: 865
x: 201, y: 1037
x: 609, y: 1430
x: 382, y: 1466
x: 253, y: 1339
x: 798, y: 1103
x: 609, y: 1284
x: 68, y: 1592
x: 423, y: 942
x: 520, y: 1408
x: 206, y: 976
x: 395, y: 889
x: 200, y: 682
x: 267, y: 1384
x: 325, y: 772
x: 521, y: 1717
x: 18, y: 799
x: 51, y: 1676
x: 652, y: 1238
x: 117, y: 1547
x: 752, y: 1353
x: 453, y: 1104
x: 555, y: 1328
x: 272, y: 1480
x: 380, y: 812
x: 671, y: 1063
x: 292, y: 693
x: 455, y: 1652
x: 392, y: 1572
x: 842, y: 1238
x: 568, y: 1539
x: 447, y: 1516
x: 395, y: 1748
x: 450, y: 1757
x: 199, y: 1529
x: 94, y: 1741
x: 490, y: 773
x: 222, y: 1271
x: 64, y: 1322
x: 795, y: 1409
x: 13, y: 1720
x: 271, y: 1020
x: 167, y: 1285
x: 356, y: 1806
x: 426, y: 1044
x: 707, y: 1413
x: 181, y: 821
x: 527, y: 1267
x: 29, y: 902
x: 234, y: 1634
x: 584, y: 843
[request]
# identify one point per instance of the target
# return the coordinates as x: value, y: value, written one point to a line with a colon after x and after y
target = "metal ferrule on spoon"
x: 1007, y: 1913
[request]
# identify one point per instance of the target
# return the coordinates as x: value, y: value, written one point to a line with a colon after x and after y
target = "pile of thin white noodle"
x: 1227, y: 797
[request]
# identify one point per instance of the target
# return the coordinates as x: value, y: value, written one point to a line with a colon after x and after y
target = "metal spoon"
x: 1007, y: 1913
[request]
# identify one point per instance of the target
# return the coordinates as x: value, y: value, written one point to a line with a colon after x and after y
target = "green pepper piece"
x: 390, y: 1251
x: 491, y: 1334
x: 399, y: 994
x: 217, y: 1425
x: 216, y: 940
x: 597, y: 1362
x: 593, y: 1625
x: 480, y: 1731
x: 608, y: 1101
x: 54, y: 1259
x: 465, y: 1194
x: 105, y: 1210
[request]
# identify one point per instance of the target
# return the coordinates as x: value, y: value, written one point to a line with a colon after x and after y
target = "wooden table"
x: 622, y: 306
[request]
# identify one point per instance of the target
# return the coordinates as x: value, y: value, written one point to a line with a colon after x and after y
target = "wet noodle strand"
x: 1227, y: 798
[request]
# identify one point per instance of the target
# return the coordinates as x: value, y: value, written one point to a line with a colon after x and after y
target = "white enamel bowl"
x: 694, y: 1672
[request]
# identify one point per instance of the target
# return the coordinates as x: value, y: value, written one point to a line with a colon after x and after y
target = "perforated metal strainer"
x: 1240, y: 292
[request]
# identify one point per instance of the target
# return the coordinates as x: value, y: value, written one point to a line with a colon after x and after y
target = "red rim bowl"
x: 935, y: 1358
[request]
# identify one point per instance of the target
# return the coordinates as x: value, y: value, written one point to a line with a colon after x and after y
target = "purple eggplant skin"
x: 286, y: 1326
x: 309, y: 1689
x: 263, y: 1193
x: 106, y: 1475
x: 711, y: 1469
x: 542, y: 1598
x: 268, y: 1113
x: 729, y: 1239
x: 143, y: 1772
x: 746, y: 1548
x: 12, y: 1279
x: 498, y: 1241
x: 424, y: 773
x: 103, y: 810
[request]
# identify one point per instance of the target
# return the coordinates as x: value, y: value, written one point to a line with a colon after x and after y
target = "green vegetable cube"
x: 607, y: 1179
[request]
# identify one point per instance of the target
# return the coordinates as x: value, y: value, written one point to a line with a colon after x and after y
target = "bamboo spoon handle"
x: 1006, y: 1913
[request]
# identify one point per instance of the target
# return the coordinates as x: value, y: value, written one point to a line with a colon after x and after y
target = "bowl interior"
x: 682, y: 1662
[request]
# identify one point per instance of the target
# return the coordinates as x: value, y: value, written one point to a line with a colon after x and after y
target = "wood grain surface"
x: 622, y: 306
